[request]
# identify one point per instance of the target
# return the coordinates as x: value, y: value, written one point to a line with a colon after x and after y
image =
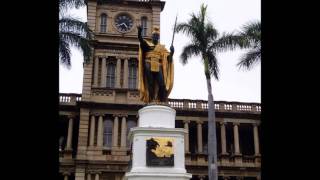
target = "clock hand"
x: 119, y: 25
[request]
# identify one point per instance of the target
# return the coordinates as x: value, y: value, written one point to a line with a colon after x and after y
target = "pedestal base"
x: 157, y: 176
x: 157, y: 146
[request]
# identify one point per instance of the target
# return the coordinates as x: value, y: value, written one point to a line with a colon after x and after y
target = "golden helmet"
x: 156, y: 30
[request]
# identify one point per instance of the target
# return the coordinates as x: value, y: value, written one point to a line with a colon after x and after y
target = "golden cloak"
x: 167, y: 69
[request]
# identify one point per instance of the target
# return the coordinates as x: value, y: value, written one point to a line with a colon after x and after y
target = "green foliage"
x: 67, y: 4
x: 205, y: 41
x: 73, y: 32
x: 249, y: 37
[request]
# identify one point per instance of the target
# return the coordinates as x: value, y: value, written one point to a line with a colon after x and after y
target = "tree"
x: 249, y: 37
x: 205, y: 42
x: 72, y: 32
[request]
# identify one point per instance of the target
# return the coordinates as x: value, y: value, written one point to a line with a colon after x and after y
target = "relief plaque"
x: 160, y: 151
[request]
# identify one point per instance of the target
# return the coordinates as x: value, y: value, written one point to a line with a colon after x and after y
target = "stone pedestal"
x: 157, y: 122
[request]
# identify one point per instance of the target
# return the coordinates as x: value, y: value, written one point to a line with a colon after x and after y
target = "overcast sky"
x: 189, y: 80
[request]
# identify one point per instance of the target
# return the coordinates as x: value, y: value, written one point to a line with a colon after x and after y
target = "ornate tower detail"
x: 112, y: 74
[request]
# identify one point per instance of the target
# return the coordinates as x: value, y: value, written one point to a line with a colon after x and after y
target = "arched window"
x: 111, y: 72
x: 133, y: 75
x: 103, y: 23
x: 144, y: 26
x: 130, y: 124
x: 107, y: 133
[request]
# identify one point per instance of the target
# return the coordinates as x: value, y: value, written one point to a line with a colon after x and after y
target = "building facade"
x: 94, y: 125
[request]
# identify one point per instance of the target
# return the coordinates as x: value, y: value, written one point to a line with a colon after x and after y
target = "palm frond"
x: 250, y: 58
x: 251, y: 32
x: 65, y: 4
x: 64, y: 53
x: 78, y: 41
x: 213, y: 65
x: 198, y: 31
x: 252, y: 28
x: 203, y: 14
x: 77, y: 33
x: 251, y: 37
x: 229, y: 41
x: 185, y: 28
x: 210, y: 31
x: 188, y: 51
x: 203, y: 37
x: 70, y: 24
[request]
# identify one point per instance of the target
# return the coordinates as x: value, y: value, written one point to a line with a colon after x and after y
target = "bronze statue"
x: 155, y: 68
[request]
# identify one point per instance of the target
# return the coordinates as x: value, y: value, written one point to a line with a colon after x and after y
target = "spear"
x: 174, y: 29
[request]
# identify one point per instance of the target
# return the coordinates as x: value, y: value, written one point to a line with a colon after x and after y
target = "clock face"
x: 123, y: 23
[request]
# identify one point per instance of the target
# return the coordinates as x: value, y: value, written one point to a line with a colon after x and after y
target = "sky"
x: 189, y: 79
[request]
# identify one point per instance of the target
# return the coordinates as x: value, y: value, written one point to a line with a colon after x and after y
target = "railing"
x: 186, y: 104
x: 69, y: 97
x: 202, y: 160
x: 143, y: 0
x: 248, y: 159
x: 219, y: 105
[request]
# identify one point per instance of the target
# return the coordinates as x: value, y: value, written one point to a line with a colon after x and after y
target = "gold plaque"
x: 160, y: 151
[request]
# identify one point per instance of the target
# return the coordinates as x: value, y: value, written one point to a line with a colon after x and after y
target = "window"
x: 107, y: 133
x: 103, y: 24
x: 133, y: 75
x: 144, y: 26
x: 111, y: 71
x: 130, y: 124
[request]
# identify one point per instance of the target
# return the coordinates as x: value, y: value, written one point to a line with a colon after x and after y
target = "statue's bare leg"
x: 150, y: 79
x: 162, y: 87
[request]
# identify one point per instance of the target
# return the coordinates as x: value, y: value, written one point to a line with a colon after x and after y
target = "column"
x: 118, y: 73
x: 259, y: 176
x: 223, y: 138
x: 100, y: 131
x: 88, y: 176
x: 97, y: 177
x: 186, y: 136
x: 70, y: 128
x: 66, y: 177
x: 123, y: 132
x: 115, y: 131
x: 83, y: 143
x: 92, y: 128
x: 125, y: 73
x: 236, y: 137
x: 118, y: 177
x: 256, y: 139
x: 96, y: 72
x: 103, y: 82
x: 137, y: 77
x: 199, y: 136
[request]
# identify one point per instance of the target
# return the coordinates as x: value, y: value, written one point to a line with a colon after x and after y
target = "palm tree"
x: 71, y: 4
x: 205, y: 42
x: 72, y: 32
x: 249, y: 37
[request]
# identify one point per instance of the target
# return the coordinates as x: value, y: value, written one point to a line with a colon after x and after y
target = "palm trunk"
x: 212, y: 139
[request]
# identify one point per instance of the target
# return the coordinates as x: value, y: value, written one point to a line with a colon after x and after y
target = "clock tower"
x: 111, y: 76
x: 110, y: 96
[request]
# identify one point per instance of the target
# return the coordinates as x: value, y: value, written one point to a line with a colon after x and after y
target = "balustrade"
x: 183, y: 104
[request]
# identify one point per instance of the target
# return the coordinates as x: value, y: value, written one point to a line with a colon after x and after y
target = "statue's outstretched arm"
x: 143, y: 44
